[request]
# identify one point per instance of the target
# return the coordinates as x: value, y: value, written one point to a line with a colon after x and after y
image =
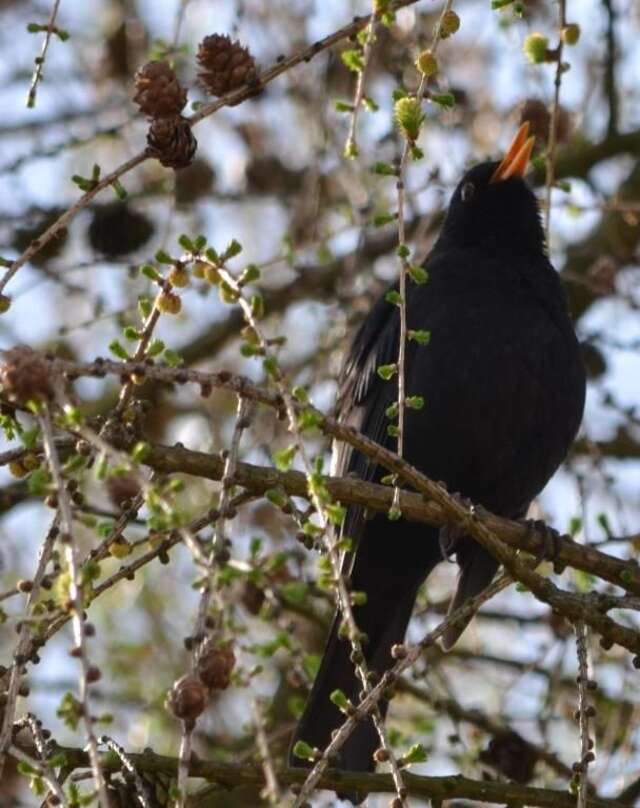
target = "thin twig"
x: 129, y: 766
x: 42, y: 769
x: 43, y: 749
x: 40, y: 60
x: 404, y: 265
x: 75, y: 598
x: 272, y: 788
x: 24, y: 642
x: 553, y: 125
x: 586, y: 754
x: 351, y: 147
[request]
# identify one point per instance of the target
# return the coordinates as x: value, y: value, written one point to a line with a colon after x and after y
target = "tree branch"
x: 434, y: 788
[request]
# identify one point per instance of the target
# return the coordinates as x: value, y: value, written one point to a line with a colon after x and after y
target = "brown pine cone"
x: 226, y: 64
x: 158, y: 91
x: 122, y: 489
x: 252, y: 597
x: 215, y: 666
x: 171, y: 141
x: 187, y: 698
x: 25, y: 375
x: 538, y: 115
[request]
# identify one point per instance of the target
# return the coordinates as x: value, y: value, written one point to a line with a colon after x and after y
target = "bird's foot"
x: 450, y: 534
x: 550, y: 546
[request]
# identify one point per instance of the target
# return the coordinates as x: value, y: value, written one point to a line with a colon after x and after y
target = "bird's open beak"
x: 516, y: 160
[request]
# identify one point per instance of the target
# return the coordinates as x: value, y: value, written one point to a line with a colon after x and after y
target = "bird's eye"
x: 467, y: 191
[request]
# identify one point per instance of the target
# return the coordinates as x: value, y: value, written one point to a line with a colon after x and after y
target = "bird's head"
x: 493, y: 208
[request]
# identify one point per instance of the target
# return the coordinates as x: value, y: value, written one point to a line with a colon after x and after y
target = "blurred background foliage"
x: 271, y: 173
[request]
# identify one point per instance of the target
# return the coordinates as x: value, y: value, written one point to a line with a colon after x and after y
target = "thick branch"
x: 434, y: 788
x: 258, y: 479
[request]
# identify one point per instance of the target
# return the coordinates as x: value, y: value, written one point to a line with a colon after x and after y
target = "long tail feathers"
x: 337, y: 673
x: 391, y: 576
x: 477, y: 569
x: 384, y: 625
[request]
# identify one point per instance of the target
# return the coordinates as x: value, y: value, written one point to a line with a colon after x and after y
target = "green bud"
x: 449, y: 24
x: 235, y: 248
x: 284, y: 458
x: 571, y: 34
x: 140, y: 451
x: 409, y: 117
x: 185, y: 242
x: 149, y: 272
x: 419, y: 336
x: 251, y: 274
x: 394, y: 297
x: 386, y: 372
x: 163, y: 257
x: 384, y: 169
x: 340, y: 700
x: 418, y: 274
x: 353, y: 60
x: 303, y: 751
x: 444, y: 100
x: 414, y: 402
x: 427, y: 63
x: 417, y: 754
x: 145, y: 306
x: 535, y: 48
x: 118, y: 350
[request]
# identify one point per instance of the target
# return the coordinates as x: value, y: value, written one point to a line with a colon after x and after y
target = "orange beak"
x: 516, y: 160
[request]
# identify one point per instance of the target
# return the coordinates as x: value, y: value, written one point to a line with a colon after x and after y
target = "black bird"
x: 504, y: 386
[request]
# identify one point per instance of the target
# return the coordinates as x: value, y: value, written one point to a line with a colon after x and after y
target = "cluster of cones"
x: 226, y: 65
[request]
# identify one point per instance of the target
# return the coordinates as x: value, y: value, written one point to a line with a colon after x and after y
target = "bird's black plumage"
x: 504, y: 388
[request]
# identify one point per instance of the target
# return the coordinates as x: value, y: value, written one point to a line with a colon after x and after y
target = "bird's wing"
x: 363, y: 398
x: 362, y: 395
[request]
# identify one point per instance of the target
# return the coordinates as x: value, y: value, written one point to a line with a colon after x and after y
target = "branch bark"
x: 434, y: 788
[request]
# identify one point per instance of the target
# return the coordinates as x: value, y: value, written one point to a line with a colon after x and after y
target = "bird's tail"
x: 477, y: 569
x: 384, y: 624
x: 389, y: 567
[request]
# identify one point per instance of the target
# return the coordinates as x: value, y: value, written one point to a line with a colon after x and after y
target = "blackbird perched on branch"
x: 504, y: 386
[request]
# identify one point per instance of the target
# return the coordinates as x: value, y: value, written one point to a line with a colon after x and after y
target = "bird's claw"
x: 451, y: 533
x: 550, y: 546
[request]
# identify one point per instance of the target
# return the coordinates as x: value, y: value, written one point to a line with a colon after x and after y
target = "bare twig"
x: 129, y: 766
x: 351, y: 147
x: 555, y: 114
x: 24, y: 642
x: 40, y: 60
x: 586, y: 754
x: 42, y: 769
x: 43, y: 749
x: 76, y: 604
x: 272, y: 788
